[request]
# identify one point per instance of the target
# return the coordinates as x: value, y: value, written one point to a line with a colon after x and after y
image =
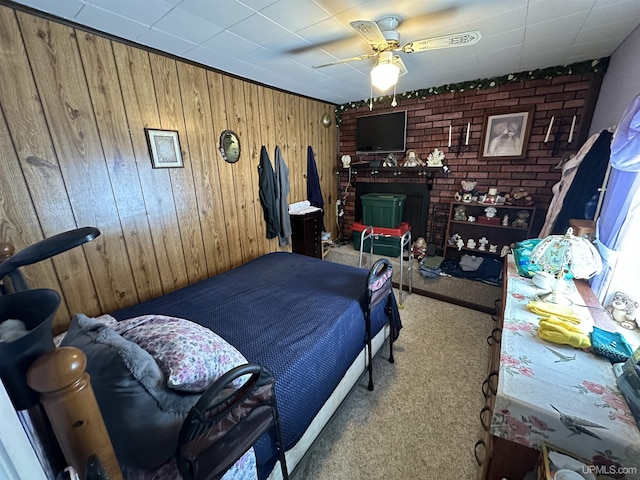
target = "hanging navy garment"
x: 586, y: 183
x: 314, y: 192
x: 267, y: 185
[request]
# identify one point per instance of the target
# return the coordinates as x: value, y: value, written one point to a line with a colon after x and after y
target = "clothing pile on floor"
x: 484, y: 269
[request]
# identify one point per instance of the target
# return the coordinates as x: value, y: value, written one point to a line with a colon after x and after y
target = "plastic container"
x: 382, y: 209
x: 386, y: 241
x: 36, y: 308
x: 629, y: 384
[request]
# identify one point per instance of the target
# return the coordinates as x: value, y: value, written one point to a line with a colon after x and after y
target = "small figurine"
x: 419, y: 248
x: 519, y: 197
x: 522, y: 219
x: 460, y: 213
x: 435, y: 158
x: 493, y: 248
x: 471, y: 218
x: 490, y: 212
x: 454, y: 239
x: 505, y: 220
x: 505, y: 251
x: 483, y: 243
x: 471, y: 243
x: 468, y: 191
x: 412, y: 159
x: 391, y: 160
x: 460, y: 244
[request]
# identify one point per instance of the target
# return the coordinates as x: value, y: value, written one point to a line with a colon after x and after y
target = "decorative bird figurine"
x: 561, y: 356
x: 577, y: 425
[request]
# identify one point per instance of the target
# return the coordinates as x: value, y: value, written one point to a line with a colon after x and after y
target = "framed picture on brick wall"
x: 505, y: 133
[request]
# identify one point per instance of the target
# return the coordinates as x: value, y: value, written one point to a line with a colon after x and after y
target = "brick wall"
x: 428, y: 121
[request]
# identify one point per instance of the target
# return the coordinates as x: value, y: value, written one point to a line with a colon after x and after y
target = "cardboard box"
x: 546, y: 469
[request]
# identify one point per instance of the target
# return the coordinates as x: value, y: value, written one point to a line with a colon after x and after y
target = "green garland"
x: 589, y: 66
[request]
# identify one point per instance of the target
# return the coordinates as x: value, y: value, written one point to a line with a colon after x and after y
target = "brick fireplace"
x: 416, y: 207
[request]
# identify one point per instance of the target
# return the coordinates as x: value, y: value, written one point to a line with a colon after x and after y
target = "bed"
x: 302, y: 318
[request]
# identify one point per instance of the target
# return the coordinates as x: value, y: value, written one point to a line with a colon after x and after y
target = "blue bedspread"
x: 299, y: 316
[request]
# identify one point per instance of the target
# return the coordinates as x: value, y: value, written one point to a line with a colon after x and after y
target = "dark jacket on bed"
x: 267, y: 185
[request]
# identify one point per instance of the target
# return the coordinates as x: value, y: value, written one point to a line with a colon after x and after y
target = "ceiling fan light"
x: 384, y: 75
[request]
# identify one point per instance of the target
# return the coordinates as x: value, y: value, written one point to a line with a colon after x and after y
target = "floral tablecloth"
x: 557, y: 394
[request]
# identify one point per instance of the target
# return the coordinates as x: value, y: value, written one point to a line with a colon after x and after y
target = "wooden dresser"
x: 306, y: 232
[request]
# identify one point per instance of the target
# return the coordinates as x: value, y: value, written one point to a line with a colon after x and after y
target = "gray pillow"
x: 143, y: 416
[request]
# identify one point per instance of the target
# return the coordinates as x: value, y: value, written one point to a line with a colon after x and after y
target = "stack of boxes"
x: 383, y: 212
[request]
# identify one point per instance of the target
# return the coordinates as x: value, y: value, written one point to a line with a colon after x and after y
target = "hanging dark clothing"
x: 282, y: 196
x: 267, y: 192
x: 586, y: 183
x: 314, y: 192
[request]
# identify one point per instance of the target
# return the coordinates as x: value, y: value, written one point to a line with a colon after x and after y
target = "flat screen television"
x: 381, y: 133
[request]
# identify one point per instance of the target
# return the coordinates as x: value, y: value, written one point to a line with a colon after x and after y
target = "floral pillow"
x: 191, y: 356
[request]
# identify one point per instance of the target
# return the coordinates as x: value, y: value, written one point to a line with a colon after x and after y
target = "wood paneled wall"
x: 73, y: 153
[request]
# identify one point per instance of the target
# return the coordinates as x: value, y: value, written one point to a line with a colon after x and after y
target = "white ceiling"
x: 277, y: 42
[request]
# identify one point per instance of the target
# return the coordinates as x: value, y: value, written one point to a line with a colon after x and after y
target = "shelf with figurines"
x: 487, y: 223
x: 391, y: 162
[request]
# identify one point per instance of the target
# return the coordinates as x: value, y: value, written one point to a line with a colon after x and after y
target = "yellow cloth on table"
x: 561, y: 311
x: 557, y: 331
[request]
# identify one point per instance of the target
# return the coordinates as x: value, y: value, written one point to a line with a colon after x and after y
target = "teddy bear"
x: 522, y: 219
x: 468, y: 191
x: 460, y: 213
x: 623, y: 309
x: 519, y: 197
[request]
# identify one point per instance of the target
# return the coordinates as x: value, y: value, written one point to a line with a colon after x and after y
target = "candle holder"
x: 555, y: 143
x: 462, y: 147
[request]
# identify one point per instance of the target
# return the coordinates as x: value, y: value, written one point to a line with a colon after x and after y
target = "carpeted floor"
x: 421, y: 421
x: 461, y: 291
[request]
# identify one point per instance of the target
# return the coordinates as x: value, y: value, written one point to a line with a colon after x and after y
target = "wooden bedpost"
x: 73, y: 411
x: 6, y: 251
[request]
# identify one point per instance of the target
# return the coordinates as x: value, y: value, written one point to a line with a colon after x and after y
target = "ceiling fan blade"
x: 352, y: 59
x: 370, y: 31
x: 446, y: 41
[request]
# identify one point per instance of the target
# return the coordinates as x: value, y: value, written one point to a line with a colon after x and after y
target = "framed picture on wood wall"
x: 505, y: 133
x: 164, y: 148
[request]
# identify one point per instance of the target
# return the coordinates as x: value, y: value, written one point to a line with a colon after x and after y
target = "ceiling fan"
x: 384, y: 39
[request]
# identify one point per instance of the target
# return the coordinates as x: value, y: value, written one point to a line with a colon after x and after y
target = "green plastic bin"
x: 382, y: 209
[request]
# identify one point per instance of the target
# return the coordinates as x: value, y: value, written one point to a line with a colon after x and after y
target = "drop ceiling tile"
x: 499, y: 42
x: 614, y: 14
x: 294, y: 15
x: 259, y: 29
x: 551, y: 28
x: 611, y: 32
x: 227, y: 41
x: 68, y: 9
x: 165, y: 42
x: 105, y: 21
x: 255, y: 5
x: 146, y: 12
x: 222, y: 13
x: 541, y: 12
x: 185, y: 25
